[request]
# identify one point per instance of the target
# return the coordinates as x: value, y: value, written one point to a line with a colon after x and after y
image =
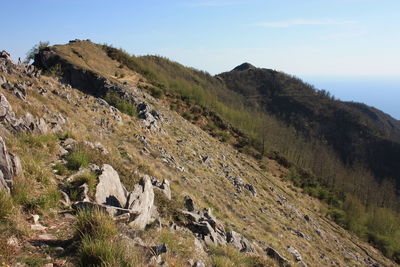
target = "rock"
x: 35, y: 218
x: 163, y: 187
x: 5, y: 109
x: 272, y: 253
x: 3, y: 183
x: 38, y: 227
x: 158, y: 250
x: 204, y: 224
x: 109, y: 190
x: 150, y: 118
x: 10, y: 166
x: 141, y: 201
x: 251, y: 188
x: 199, y: 263
x: 189, y: 204
x: 239, y: 242
x: 66, y: 202
x: 296, y: 255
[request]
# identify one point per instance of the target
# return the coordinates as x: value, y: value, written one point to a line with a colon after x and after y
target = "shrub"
x: 55, y: 71
x: 187, y: 115
x: 30, y: 55
x: 123, y: 105
x: 337, y: 215
x: 156, y: 92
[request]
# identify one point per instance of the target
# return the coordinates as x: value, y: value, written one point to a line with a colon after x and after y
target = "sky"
x: 348, y: 47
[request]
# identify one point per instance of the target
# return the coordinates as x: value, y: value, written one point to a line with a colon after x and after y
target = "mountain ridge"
x: 219, y: 202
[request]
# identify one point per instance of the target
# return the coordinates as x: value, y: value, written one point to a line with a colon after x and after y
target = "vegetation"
x: 35, y: 50
x: 78, y: 158
x: 125, y: 106
x: 269, y: 113
x: 223, y: 256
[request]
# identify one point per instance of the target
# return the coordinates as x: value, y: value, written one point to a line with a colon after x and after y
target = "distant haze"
x: 380, y: 92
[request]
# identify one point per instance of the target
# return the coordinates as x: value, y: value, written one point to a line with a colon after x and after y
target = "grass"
x: 99, y: 244
x: 101, y: 252
x: 224, y: 256
x: 60, y: 168
x: 6, y: 205
x: 87, y: 178
x: 77, y: 158
x: 169, y: 209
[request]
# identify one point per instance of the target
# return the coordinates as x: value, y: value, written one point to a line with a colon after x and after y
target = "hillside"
x: 187, y: 196
x: 355, y: 131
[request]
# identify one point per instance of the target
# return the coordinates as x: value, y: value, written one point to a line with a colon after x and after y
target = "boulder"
x: 5, y: 161
x: 189, y: 204
x: 164, y: 187
x: 272, y: 253
x: 3, y: 183
x: 141, y: 201
x: 109, y: 190
x: 239, y: 242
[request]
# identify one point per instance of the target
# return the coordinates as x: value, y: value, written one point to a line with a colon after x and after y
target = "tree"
x: 30, y: 55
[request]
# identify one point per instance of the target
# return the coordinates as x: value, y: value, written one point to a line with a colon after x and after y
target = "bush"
x: 123, y: 105
x: 187, y: 115
x: 156, y: 92
x: 55, y: 71
x: 30, y: 55
x: 337, y: 215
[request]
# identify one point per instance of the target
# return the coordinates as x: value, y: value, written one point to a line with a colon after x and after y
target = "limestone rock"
x: 141, y: 201
x: 272, y: 253
x: 110, y: 190
x: 239, y: 242
x: 164, y: 187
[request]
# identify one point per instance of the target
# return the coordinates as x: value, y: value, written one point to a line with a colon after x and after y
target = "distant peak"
x: 244, y: 66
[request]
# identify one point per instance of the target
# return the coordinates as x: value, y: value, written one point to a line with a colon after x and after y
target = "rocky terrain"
x: 176, y: 195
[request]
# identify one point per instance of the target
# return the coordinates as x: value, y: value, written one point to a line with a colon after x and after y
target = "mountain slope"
x: 255, y: 202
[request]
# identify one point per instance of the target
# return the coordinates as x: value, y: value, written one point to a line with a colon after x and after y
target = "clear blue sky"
x: 316, y: 39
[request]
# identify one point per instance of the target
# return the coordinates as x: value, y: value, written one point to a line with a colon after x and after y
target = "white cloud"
x: 298, y: 22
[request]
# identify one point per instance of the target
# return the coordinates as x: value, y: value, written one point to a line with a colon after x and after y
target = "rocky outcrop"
x: 207, y: 228
x: 10, y: 166
x: 151, y: 118
x: 239, y: 242
x: 272, y: 253
x: 164, y: 187
x: 26, y: 123
x: 141, y: 201
x: 240, y: 184
x: 136, y: 208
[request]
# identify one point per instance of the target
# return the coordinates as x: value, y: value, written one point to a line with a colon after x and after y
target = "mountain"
x: 112, y: 159
x: 356, y: 132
